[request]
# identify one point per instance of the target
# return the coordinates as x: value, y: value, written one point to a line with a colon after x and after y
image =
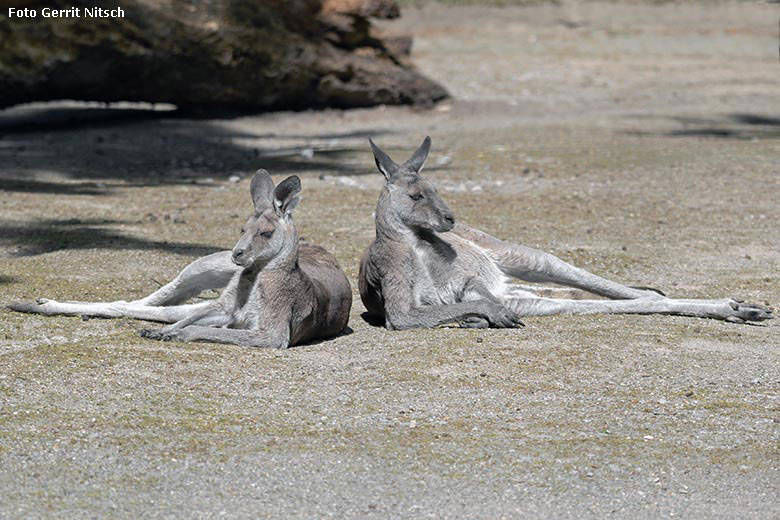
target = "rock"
x: 264, y: 54
x: 387, y: 9
x: 399, y: 46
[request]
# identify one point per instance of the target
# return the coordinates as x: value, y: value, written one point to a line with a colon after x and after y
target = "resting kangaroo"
x: 278, y: 292
x: 424, y: 270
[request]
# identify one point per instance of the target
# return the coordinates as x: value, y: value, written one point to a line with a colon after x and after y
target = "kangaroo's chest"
x: 445, y: 273
x: 257, y: 300
x: 246, y: 307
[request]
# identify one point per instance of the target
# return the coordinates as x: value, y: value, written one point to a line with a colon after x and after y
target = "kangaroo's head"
x: 408, y: 200
x: 269, y: 233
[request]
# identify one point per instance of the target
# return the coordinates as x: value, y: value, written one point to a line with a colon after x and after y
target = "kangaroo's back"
x: 332, y: 289
x: 369, y: 284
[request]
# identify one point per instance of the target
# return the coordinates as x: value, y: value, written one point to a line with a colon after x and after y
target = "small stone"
x: 307, y: 153
x: 234, y: 178
x: 347, y: 181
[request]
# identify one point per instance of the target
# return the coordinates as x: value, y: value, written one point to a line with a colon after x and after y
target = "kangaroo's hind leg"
x: 213, y: 271
x: 729, y: 310
x: 532, y: 265
x: 165, y: 314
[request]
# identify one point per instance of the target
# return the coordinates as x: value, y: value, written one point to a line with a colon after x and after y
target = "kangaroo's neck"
x: 389, y: 226
x: 287, y: 259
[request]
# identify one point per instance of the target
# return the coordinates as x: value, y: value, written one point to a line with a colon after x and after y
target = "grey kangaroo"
x: 424, y: 269
x: 277, y: 292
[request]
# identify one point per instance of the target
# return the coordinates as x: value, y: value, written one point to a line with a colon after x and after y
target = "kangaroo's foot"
x: 41, y: 306
x: 742, y: 312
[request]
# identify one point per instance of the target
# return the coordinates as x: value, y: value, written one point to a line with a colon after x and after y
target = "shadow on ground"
x: 39, y: 147
x: 46, y: 236
x: 740, y: 126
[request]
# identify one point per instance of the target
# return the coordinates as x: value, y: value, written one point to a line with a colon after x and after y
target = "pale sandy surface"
x: 639, y: 142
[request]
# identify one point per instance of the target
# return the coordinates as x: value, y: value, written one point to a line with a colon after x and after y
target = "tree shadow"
x: 41, y: 145
x: 737, y: 126
x: 47, y: 236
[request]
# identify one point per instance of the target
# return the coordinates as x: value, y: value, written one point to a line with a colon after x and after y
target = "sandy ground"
x: 639, y: 142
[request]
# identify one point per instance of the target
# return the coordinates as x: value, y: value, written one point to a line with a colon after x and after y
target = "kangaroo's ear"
x: 262, y: 190
x: 386, y: 165
x: 287, y: 196
x: 417, y: 160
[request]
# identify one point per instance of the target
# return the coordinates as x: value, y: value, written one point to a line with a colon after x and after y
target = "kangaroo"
x: 277, y: 292
x: 424, y: 270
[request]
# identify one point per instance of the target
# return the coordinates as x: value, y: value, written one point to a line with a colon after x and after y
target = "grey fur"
x: 277, y: 292
x: 424, y: 270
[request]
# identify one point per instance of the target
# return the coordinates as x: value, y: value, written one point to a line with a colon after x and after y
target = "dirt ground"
x: 640, y: 142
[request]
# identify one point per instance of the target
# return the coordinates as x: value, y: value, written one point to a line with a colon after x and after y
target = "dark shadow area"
x: 32, y: 186
x: 346, y: 332
x: 153, y: 147
x: 21, y: 120
x: 372, y: 320
x: 46, y: 236
x: 738, y: 126
x: 8, y: 279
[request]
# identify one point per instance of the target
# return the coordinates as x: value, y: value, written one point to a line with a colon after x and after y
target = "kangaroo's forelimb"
x: 279, y: 339
x: 481, y: 312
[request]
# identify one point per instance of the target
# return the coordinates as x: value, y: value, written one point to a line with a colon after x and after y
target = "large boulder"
x: 255, y: 54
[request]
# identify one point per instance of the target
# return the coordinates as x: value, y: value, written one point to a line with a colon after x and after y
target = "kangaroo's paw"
x: 743, y: 312
x: 148, y: 333
x: 152, y: 334
x: 474, y: 322
x: 163, y: 334
x: 503, y: 317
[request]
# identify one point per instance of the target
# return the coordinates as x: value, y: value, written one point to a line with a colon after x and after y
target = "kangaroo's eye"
x: 267, y: 234
x: 417, y: 196
x: 243, y: 231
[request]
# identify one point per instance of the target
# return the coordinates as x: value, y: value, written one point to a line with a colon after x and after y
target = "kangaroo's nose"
x: 237, y: 255
x: 449, y: 218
